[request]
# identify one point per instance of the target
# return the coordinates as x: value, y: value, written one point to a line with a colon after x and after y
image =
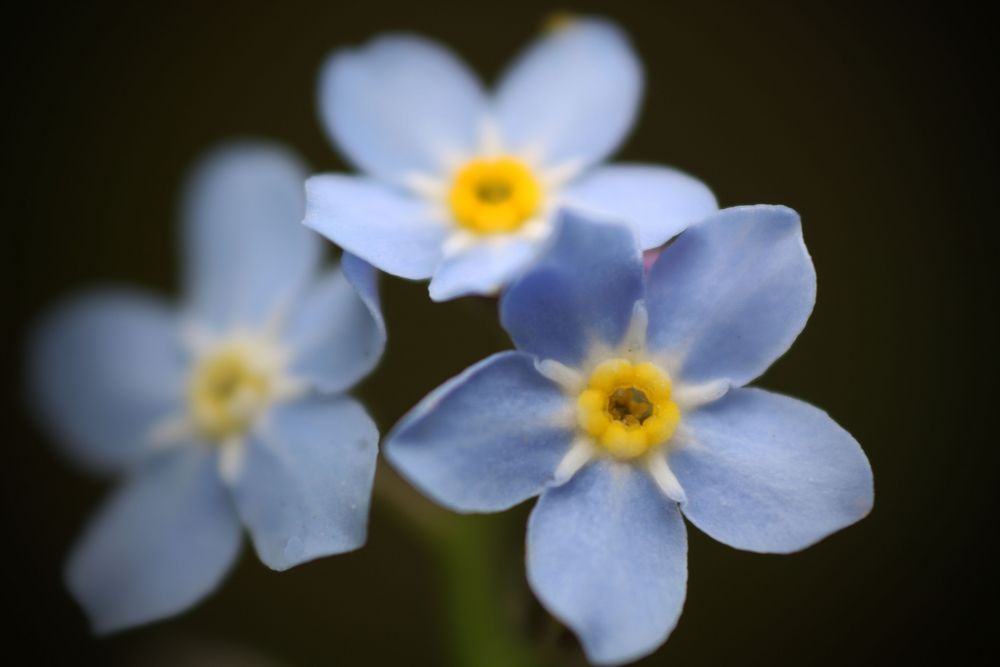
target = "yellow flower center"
x: 626, y: 408
x: 494, y: 196
x: 226, y: 392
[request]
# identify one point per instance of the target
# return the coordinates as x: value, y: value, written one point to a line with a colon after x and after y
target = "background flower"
x: 624, y: 403
x: 461, y: 186
x: 219, y: 414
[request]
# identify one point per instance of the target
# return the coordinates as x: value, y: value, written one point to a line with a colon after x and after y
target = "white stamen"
x: 490, y: 138
x: 454, y: 159
x: 555, y: 177
x: 458, y: 242
x: 634, y: 342
x: 171, y: 431
x: 682, y: 438
x: 289, y: 388
x: 232, y: 456
x: 570, y: 379
x: 426, y: 186
x: 597, y: 352
x: 536, y: 229
x: 580, y: 453
x: 195, y: 338
x: 532, y: 157
x: 276, y: 320
x: 692, y: 396
x: 664, y: 477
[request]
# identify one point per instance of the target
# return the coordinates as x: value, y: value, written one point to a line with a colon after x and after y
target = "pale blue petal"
x: 485, y: 440
x: 607, y: 556
x: 657, y: 201
x: 306, y: 481
x: 573, y: 95
x: 386, y: 227
x: 483, y: 269
x: 104, y: 369
x: 581, y: 291
x: 400, y: 104
x: 770, y: 473
x: 729, y: 296
x: 246, y: 253
x: 336, y: 331
x: 160, y: 544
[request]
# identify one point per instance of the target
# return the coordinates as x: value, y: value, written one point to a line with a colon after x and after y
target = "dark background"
x: 871, y: 119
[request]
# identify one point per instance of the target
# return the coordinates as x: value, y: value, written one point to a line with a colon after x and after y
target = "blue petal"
x: 573, y: 95
x: 607, y: 555
x: 386, y: 227
x: 770, y: 473
x: 161, y: 543
x: 399, y: 105
x: 306, y: 483
x: 581, y: 291
x: 336, y: 331
x: 730, y: 295
x: 103, y: 370
x: 485, y: 440
x: 658, y: 202
x: 245, y: 252
x: 483, y: 269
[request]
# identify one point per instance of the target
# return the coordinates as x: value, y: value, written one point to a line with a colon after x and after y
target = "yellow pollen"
x: 226, y: 392
x: 494, y: 196
x: 626, y: 408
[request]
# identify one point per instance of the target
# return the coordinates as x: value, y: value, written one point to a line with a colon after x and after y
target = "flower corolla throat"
x: 233, y: 382
x: 626, y: 407
x: 494, y: 195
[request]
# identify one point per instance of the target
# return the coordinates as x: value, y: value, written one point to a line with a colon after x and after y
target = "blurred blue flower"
x: 462, y: 186
x: 224, y: 413
x: 625, y: 407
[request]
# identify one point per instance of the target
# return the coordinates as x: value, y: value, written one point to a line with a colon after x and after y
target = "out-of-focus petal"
x: 485, y: 440
x: 104, y: 369
x: 306, y: 482
x: 657, y: 201
x: 386, y: 227
x: 483, y: 269
x: 161, y: 543
x: 729, y: 296
x: 770, y: 473
x: 245, y: 252
x: 581, y: 291
x: 400, y: 105
x: 336, y: 331
x: 573, y: 95
x: 607, y: 555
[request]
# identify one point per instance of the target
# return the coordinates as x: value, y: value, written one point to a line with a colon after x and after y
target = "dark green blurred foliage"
x: 871, y: 120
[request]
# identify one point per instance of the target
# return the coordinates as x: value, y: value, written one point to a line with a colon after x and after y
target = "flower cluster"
x: 624, y: 407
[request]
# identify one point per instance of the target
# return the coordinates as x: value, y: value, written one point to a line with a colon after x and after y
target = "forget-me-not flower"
x: 625, y: 407
x: 461, y: 186
x: 224, y: 413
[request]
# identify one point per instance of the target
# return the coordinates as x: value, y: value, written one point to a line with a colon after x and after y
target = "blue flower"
x: 461, y: 186
x: 624, y: 407
x: 224, y: 412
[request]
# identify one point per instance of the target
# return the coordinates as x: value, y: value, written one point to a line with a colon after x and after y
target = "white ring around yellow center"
x: 227, y: 391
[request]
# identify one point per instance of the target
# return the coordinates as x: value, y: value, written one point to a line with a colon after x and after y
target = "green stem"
x: 466, y: 549
x: 483, y: 634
